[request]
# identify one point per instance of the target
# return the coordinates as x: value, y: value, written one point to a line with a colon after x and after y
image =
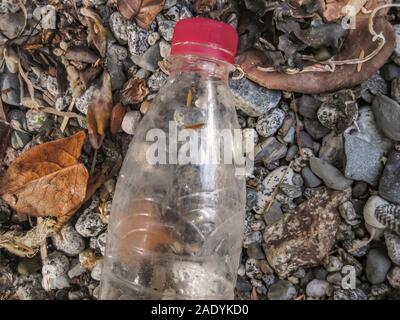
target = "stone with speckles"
x: 304, y: 236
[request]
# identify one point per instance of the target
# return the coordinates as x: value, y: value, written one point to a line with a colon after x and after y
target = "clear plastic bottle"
x: 176, y: 229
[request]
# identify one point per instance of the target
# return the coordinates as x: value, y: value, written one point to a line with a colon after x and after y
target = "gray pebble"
x: 310, y: 179
x: 9, y: 84
x: 349, y: 294
x: 274, y: 213
x: 363, y: 160
x: 317, y: 288
x: 269, y: 150
x: 82, y: 103
x: 69, y: 241
x: 252, y: 99
x: 332, y: 177
x: 101, y: 242
x: 360, y: 188
x: 308, y: 106
x: 393, y: 277
x: 243, y: 285
x: 387, y: 115
x: 130, y: 122
x: 35, y: 119
x: 56, y: 264
x: 149, y: 60
x: 166, y: 29
x: 389, y: 184
x: 315, y: 129
x: 20, y: 139
x: 156, y: 81
x: 377, y: 266
x: 281, y: 290
x: 268, y: 124
x: 392, y: 241
x: 89, y: 224
x: 255, y: 251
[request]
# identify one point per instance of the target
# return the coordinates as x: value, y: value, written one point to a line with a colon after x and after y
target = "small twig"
x: 66, y: 118
x: 93, y: 161
x: 43, y: 245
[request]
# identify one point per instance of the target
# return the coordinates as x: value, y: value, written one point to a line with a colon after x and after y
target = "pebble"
x: 273, y: 214
x: 20, y: 139
x: 76, y: 270
x: 349, y: 294
x: 31, y: 291
x: 390, y: 71
x: 172, y: 14
x: 393, y: 277
x: 315, y: 129
x: 387, y: 115
x: 116, y: 54
x: 269, y: 150
x: 305, y: 235
x: 97, y: 270
x: 363, y: 160
x: 377, y: 266
x: 389, y: 184
x: 368, y: 130
x: 252, y: 99
x: 282, y: 290
x: 331, y: 176
x: 131, y: 121
x: 392, y: 241
x: 317, y: 288
x: 334, y: 278
x: 332, y: 149
x: 348, y: 213
x: 89, y: 224
x: 268, y: 279
x: 359, y: 189
x: 68, y: 241
x: 10, y: 90
x: 185, y: 13
x: 308, y: 106
x: 101, y: 242
x: 252, y: 237
x: 156, y: 81
x: 137, y: 39
x: 166, y: 29
x: 268, y: 124
x: 255, y: 251
x: 395, y: 90
x: 396, y: 53
x: 252, y: 269
x: 149, y: 60
x: 242, y: 284
x: 334, y: 264
x: 269, y: 184
x: 82, y: 103
x: 119, y: 27
x: 319, y: 273
x: 165, y: 49
x: 310, y: 179
x: 35, y: 119
x: 56, y: 264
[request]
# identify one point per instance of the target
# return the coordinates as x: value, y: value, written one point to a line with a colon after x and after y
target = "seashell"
x: 369, y: 212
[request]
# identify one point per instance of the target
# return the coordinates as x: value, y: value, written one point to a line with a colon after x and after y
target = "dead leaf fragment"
x: 204, y: 6
x: 47, y: 180
x: 143, y: 11
x: 117, y: 115
x: 134, y: 91
x: 99, y: 112
x: 97, y: 33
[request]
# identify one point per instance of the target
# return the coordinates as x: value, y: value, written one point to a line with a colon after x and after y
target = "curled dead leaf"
x: 345, y: 76
x: 99, y: 112
x: 134, y: 91
x: 47, y: 180
x: 81, y: 54
x: 97, y: 33
x: 143, y: 11
x: 117, y: 115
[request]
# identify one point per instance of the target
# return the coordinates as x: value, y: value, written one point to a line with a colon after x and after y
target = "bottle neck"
x: 201, y: 65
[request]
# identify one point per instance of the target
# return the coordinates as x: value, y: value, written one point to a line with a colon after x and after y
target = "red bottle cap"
x: 205, y: 37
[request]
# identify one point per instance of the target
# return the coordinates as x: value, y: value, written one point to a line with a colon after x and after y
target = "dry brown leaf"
x: 97, y: 33
x: 335, y: 9
x: 117, y: 115
x: 47, y: 180
x: 204, y: 6
x: 143, y: 11
x: 99, y: 112
x: 134, y: 91
x: 345, y: 76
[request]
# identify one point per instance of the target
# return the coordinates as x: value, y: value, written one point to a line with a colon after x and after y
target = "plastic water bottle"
x: 177, y: 218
